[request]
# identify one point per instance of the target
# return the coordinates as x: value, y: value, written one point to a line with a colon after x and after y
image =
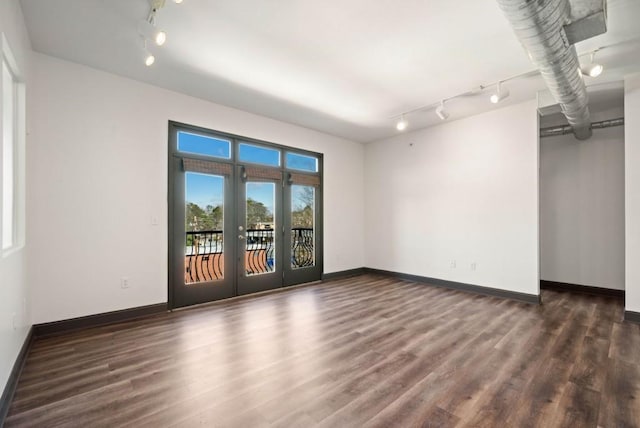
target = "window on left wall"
x: 12, y: 121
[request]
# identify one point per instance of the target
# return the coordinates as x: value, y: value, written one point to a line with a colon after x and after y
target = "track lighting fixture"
x: 593, y: 69
x: 402, y: 124
x: 441, y: 112
x: 148, y: 30
x: 500, y: 94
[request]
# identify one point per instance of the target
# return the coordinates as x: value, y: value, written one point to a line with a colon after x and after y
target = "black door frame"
x: 290, y: 276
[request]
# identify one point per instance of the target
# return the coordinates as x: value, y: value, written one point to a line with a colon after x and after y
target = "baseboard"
x: 64, y: 326
x: 584, y: 289
x: 476, y: 289
x: 343, y: 274
x: 14, y: 377
x: 632, y: 316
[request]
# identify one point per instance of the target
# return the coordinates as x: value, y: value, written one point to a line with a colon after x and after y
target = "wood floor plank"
x: 370, y: 350
x: 578, y: 407
x: 622, y: 385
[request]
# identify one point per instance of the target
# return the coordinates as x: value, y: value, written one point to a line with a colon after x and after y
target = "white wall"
x: 13, y: 265
x: 464, y: 191
x: 582, y: 207
x: 632, y: 191
x: 98, y: 171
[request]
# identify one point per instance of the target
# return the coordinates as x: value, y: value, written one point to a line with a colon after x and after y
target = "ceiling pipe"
x: 540, y: 27
x: 554, y: 131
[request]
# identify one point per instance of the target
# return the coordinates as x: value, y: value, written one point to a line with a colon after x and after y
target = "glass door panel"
x: 201, y: 261
x: 204, y: 220
x: 302, y: 196
x: 260, y: 253
x: 259, y: 234
x: 302, y: 226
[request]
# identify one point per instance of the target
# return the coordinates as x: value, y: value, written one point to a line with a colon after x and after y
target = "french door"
x: 244, y: 216
x: 260, y: 237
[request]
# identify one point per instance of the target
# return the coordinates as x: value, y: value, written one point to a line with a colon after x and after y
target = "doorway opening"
x: 244, y: 215
x: 582, y: 199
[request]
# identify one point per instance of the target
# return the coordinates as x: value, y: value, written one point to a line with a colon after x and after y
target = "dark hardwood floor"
x: 366, y: 351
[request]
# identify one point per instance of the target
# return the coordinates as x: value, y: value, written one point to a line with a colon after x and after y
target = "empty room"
x: 414, y: 213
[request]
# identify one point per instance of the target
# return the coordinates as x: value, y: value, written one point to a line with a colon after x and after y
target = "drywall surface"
x: 632, y: 191
x: 14, y: 304
x: 458, y: 201
x: 98, y: 173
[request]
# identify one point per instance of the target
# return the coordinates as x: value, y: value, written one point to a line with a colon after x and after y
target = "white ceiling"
x: 341, y: 67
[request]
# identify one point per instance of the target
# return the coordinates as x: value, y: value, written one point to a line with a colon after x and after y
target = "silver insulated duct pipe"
x: 540, y: 27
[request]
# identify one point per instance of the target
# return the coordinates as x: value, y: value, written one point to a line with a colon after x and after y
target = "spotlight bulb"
x: 149, y: 60
x: 148, y: 31
x: 499, y: 95
x: 160, y: 38
x: 402, y: 124
x: 594, y: 70
x: 177, y: 1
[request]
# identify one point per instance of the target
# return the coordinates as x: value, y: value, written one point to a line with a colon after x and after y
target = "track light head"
x: 150, y: 32
x: 160, y: 38
x: 596, y: 70
x: 593, y: 69
x: 149, y: 59
x: 402, y: 124
x: 441, y: 112
x: 499, y: 95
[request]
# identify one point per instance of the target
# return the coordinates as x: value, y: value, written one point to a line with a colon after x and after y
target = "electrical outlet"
x: 153, y: 220
x: 474, y: 266
x: 124, y: 282
x: 453, y: 264
x: 14, y: 321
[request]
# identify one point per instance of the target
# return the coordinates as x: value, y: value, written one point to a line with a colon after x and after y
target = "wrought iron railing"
x: 302, y: 247
x: 204, y: 252
x: 259, y: 251
x: 204, y: 256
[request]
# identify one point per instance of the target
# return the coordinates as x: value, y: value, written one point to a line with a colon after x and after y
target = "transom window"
x: 225, y: 147
x: 204, y: 145
x: 258, y: 154
x: 301, y: 162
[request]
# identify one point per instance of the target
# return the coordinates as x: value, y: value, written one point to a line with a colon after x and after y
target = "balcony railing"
x: 302, y: 247
x: 204, y: 252
x: 204, y: 259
